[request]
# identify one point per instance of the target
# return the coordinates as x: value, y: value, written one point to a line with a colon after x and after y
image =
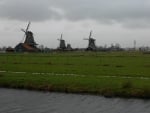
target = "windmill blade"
x: 61, y: 36
x: 90, y: 34
x: 23, y: 30
x: 23, y: 39
x: 27, y: 26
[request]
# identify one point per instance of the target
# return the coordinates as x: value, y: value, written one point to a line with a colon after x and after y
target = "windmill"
x: 29, y: 44
x: 29, y: 39
x: 62, y: 44
x: 91, y: 44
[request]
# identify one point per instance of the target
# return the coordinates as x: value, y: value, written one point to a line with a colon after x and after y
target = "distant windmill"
x: 29, y: 36
x: 91, y: 44
x: 62, y: 44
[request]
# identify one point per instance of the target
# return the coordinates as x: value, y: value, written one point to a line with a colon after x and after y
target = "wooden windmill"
x: 91, y: 44
x: 29, y: 44
x: 62, y: 44
x: 29, y: 36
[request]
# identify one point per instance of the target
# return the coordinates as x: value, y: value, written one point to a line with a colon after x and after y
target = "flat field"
x: 123, y: 74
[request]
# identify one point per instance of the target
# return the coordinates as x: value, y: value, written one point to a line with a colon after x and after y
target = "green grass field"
x: 124, y: 74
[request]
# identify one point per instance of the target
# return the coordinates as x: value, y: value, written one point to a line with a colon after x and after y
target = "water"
x: 23, y: 101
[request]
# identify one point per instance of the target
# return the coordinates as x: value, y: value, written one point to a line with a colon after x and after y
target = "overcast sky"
x: 112, y: 21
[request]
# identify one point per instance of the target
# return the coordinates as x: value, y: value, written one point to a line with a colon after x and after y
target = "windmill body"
x: 30, y: 39
x: 69, y: 47
x: 62, y: 45
x: 91, y: 44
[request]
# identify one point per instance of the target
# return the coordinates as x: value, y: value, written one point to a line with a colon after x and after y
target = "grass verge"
x: 108, y: 87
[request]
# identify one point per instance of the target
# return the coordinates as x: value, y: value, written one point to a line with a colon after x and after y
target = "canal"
x: 24, y: 101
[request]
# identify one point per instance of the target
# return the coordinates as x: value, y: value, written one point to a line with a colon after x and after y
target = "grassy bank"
x: 110, y: 74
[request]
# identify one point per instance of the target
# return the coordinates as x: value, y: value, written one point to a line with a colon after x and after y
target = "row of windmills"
x: 29, y: 44
x: 91, y: 44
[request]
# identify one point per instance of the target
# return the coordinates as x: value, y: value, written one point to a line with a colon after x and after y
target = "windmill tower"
x: 29, y: 36
x: 91, y: 44
x: 62, y: 44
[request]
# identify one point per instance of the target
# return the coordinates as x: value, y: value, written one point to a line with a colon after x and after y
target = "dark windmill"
x: 29, y: 37
x: 62, y: 45
x: 69, y: 48
x: 91, y: 44
x: 29, y: 45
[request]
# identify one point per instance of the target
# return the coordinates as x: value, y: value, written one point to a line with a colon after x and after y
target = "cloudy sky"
x: 112, y: 21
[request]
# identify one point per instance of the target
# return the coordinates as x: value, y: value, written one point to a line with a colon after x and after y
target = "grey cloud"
x: 108, y: 9
x: 24, y: 10
x: 124, y: 12
x: 128, y: 13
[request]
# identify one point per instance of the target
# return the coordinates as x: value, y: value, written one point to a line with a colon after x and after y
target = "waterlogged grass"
x: 87, y: 72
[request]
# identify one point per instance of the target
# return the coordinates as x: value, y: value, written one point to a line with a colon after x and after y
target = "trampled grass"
x: 111, y: 74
